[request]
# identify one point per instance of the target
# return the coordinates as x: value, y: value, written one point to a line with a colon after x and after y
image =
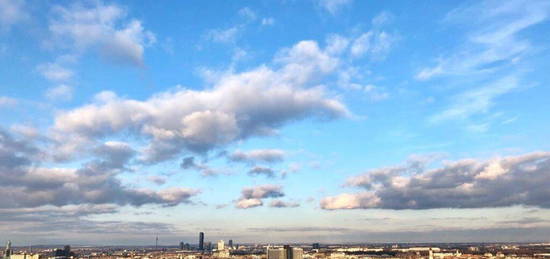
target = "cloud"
x: 283, y: 204
x: 60, y: 92
x: 259, y: 170
x: 25, y: 184
x: 469, y: 183
x: 248, y: 203
x: 300, y: 229
x: 334, y: 6
x: 257, y: 155
x: 477, y: 100
x: 373, y: 43
x: 7, y: 101
x: 268, y: 21
x: 239, y: 106
x: 247, y: 13
x: 252, y: 196
x: 55, y: 72
x: 228, y: 35
x: 103, y: 28
x: 494, y: 41
x: 205, y: 170
x: 11, y: 12
x: 159, y: 180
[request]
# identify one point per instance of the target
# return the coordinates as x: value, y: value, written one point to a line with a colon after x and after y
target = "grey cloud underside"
x: 265, y: 171
x: 258, y: 155
x: 238, y: 106
x: 501, y: 182
x: 253, y: 196
x: 23, y: 183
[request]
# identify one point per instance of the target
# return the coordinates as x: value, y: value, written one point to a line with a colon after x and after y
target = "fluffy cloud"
x: 102, y: 27
x: 259, y: 170
x: 470, y: 183
x: 258, y: 155
x: 252, y: 196
x: 55, y: 72
x: 252, y: 103
x: 205, y: 170
x: 283, y: 204
x: 24, y: 184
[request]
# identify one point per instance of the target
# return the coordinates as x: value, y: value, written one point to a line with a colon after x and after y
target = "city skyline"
x: 315, y: 121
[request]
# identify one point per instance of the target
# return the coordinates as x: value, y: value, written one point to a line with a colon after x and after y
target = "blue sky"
x: 274, y: 121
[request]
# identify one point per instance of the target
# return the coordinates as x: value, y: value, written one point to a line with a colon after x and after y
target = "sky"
x: 332, y: 121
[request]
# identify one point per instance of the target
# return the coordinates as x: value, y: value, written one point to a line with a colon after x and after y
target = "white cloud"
x: 252, y: 103
x: 468, y: 183
x: 252, y: 196
x: 494, y: 41
x: 228, y: 35
x: 248, y: 13
x: 477, y: 100
x: 334, y: 6
x: 55, y: 72
x: 268, y: 21
x: 376, y: 44
x: 102, y: 27
x: 61, y: 92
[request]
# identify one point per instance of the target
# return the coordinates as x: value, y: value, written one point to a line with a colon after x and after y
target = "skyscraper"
x: 230, y: 244
x: 7, y: 252
x: 221, y: 245
x: 181, y: 245
x: 201, y: 241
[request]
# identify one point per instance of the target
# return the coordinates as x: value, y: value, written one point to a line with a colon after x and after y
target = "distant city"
x: 206, y: 249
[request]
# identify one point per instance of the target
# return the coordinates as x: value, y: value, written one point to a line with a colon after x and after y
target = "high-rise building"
x: 221, y: 245
x: 7, y: 252
x: 201, y: 241
x: 181, y: 245
x: 316, y: 246
x: 275, y: 253
x: 230, y: 244
x: 286, y: 252
x: 297, y: 253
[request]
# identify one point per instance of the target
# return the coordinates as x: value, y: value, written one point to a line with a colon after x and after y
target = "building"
x: 201, y: 241
x: 221, y: 245
x: 275, y: 253
x: 26, y: 256
x: 286, y: 252
x: 181, y: 245
x: 230, y: 244
x: 8, y: 251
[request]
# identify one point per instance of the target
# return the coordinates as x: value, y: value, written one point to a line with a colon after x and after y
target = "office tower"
x: 209, y: 246
x: 7, y: 252
x: 221, y: 245
x: 288, y: 252
x: 230, y: 244
x: 316, y: 246
x: 275, y: 253
x: 67, y: 250
x: 181, y: 246
x: 297, y: 253
x: 201, y: 241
